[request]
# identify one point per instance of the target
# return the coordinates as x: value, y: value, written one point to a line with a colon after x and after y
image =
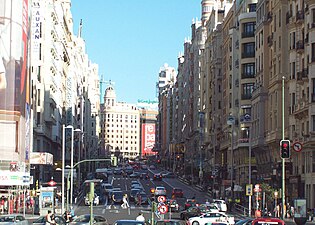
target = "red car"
x: 177, y: 193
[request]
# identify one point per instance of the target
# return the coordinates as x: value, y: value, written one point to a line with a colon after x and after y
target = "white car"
x: 160, y: 190
x: 211, y: 217
x: 221, y: 204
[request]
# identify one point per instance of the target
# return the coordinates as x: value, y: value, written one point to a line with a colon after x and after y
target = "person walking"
x: 140, y: 217
x: 125, y: 202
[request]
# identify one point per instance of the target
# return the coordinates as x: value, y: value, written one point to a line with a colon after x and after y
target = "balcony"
x: 300, y: 46
x: 302, y: 75
x: 39, y: 129
x: 300, y: 16
x: 248, y: 54
x: 248, y: 34
x: 248, y: 75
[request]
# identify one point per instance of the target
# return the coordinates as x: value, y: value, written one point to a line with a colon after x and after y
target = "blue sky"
x: 131, y: 39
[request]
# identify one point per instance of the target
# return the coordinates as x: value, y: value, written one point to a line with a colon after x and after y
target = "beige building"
x: 120, y: 127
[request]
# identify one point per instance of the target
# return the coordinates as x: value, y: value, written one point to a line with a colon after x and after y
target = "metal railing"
x: 241, y: 209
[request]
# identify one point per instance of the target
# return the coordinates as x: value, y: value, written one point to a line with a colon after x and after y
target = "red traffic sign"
x: 297, y: 146
x: 52, y: 183
x: 163, y: 209
x: 161, y: 198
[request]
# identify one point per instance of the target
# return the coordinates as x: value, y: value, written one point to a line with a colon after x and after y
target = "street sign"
x: 163, y: 209
x: 52, y: 183
x: 230, y: 120
x: 161, y: 198
x: 297, y: 146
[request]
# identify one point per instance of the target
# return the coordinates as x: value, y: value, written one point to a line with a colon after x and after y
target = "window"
x: 252, y: 7
x: 248, y: 50
x: 247, y: 90
x: 248, y: 29
x: 248, y: 70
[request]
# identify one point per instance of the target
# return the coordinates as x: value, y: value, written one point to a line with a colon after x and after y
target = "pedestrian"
x: 125, y: 202
x: 112, y: 201
x: 140, y: 217
x: 50, y: 218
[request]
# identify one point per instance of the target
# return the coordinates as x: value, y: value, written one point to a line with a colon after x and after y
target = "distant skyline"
x: 131, y: 40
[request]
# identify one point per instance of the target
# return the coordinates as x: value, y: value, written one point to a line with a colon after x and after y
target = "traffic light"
x: 285, y: 149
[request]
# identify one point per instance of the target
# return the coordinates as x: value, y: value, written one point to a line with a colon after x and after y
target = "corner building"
x: 121, y: 127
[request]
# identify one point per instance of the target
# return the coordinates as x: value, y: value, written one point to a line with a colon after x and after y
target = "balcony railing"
x: 303, y: 74
x: 248, y: 75
x: 248, y: 54
x: 246, y: 96
x: 248, y: 34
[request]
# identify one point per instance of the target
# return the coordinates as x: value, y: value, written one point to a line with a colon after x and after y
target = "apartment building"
x: 64, y: 90
x: 121, y: 127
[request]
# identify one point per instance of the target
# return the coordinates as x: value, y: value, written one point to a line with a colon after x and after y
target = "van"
x: 221, y: 204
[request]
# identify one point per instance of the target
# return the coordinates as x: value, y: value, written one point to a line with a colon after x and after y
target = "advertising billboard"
x: 14, y: 91
x: 148, y: 139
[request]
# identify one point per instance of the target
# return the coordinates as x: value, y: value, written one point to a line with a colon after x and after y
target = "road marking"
x: 103, y: 211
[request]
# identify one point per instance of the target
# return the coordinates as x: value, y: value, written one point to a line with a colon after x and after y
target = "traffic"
x: 129, y: 192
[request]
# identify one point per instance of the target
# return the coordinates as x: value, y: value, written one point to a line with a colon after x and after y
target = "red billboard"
x: 14, y: 89
x: 148, y: 139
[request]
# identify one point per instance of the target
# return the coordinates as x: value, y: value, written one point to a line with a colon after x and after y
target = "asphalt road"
x: 113, y: 214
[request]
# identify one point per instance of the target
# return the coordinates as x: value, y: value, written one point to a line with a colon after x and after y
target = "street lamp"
x: 63, y: 161
x: 63, y: 164
x: 71, y: 165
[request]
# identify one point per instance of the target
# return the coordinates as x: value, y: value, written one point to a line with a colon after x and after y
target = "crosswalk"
x: 131, y: 207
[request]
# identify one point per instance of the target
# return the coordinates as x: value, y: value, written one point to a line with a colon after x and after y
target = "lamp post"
x: 71, y: 165
x: 63, y: 162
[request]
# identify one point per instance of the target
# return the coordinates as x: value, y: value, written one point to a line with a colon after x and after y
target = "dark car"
x: 133, y: 193
x: 170, y: 222
x: 42, y: 220
x: 157, y: 176
x: 145, y: 176
x: 177, y: 193
x: 134, y: 175
x: 128, y: 222
x: 190, y: 212
x: 141, y: 196
x: 117, y: 196
x: 118, y: 171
